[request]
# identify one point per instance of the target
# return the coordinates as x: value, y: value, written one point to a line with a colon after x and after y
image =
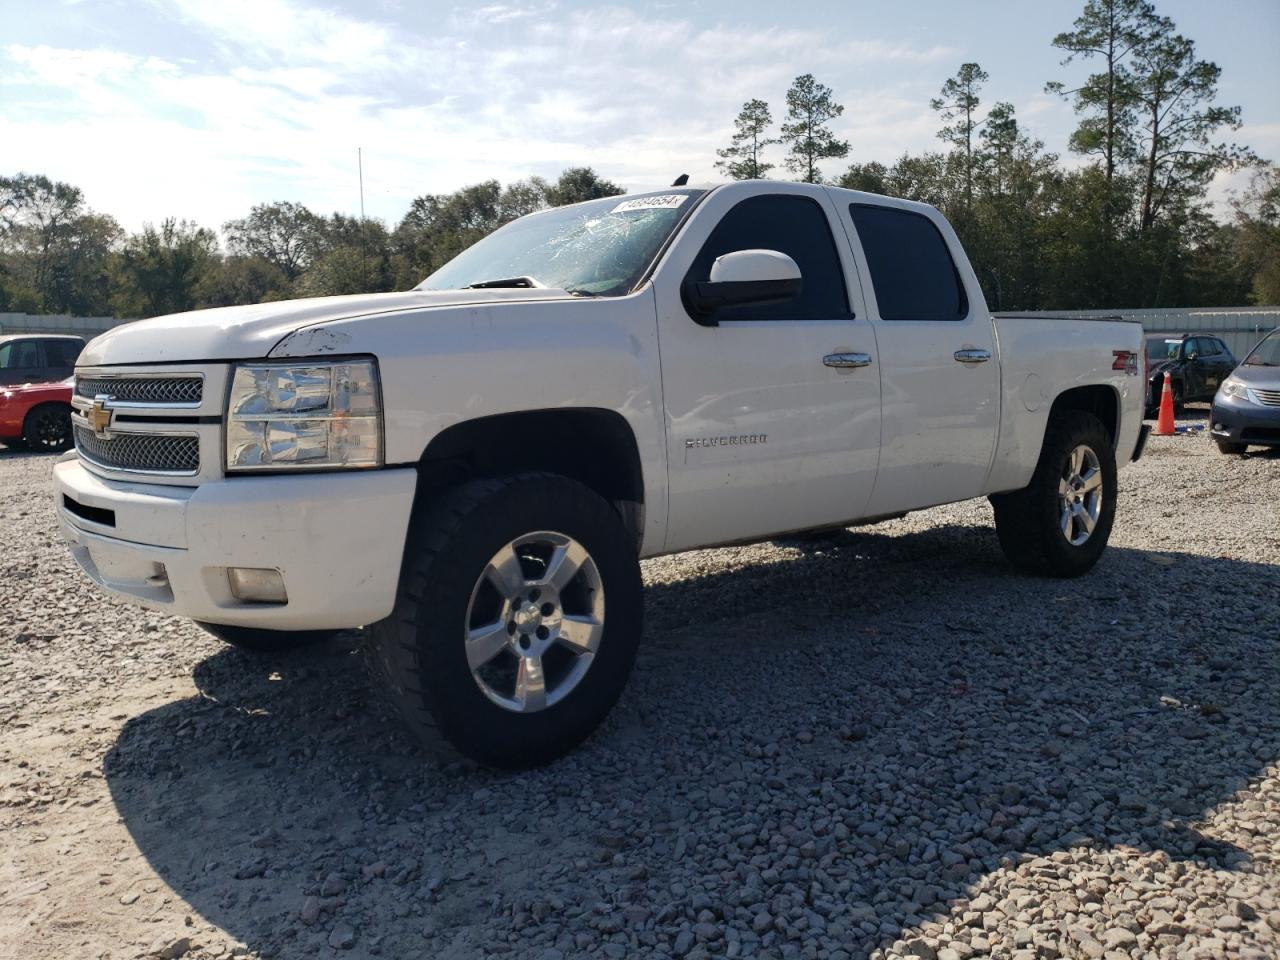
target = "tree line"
x: 1130, y: 227
x: 59, y: 256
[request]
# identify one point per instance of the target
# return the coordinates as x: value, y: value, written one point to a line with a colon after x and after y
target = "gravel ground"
x: 880, y: 744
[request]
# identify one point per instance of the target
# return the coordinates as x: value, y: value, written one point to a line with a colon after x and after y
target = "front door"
x: 939, y: 370
x: 765, y: 432
x: 20, y: 362
x: 1212, y: 365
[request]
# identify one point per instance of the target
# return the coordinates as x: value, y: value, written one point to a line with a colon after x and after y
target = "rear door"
x: 940, y: 377
x: 763, y: 434
x: 60, y: 358
x: 1221, y: 363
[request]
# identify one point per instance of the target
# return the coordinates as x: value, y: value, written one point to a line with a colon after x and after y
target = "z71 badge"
x: 1125, y: 360
x: 739, y: 440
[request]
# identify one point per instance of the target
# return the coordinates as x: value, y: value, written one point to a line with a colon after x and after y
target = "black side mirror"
x: 744, y: 277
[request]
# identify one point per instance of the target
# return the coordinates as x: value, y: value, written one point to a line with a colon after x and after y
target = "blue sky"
x: 201, y: 108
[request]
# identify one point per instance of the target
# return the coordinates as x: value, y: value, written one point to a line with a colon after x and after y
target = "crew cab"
x: 470, y: 471
x: 37, y: 358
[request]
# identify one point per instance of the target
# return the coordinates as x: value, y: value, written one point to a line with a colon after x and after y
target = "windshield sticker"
x: 667, y: 201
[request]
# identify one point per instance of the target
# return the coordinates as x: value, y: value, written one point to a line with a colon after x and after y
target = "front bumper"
x: 1237, y: 421
x: 336, y: 538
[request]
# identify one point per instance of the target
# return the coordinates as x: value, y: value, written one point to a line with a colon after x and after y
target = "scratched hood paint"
x: 244, y: 333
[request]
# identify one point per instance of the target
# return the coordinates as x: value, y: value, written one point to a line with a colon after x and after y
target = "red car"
x: 36, y: 415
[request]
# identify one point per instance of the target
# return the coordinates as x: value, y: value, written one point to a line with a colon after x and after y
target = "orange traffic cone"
x: 1164, y: 423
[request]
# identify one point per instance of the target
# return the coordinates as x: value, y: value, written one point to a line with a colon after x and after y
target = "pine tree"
x: 1109, y: 30
x: 1174, y: 94
x: 809, y: 110
x: 958, y: 103
x: 741, y: 159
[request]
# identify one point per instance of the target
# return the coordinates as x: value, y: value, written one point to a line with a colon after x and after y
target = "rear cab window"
x: 912, y: 272
x: 62, y: 353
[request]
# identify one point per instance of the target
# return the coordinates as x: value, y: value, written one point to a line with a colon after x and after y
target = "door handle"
x: 970, y: 355
x: 845, y: 361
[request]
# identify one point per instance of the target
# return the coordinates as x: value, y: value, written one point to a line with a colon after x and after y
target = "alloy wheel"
x: 534, y: 621
x: 51, y: 430
x: 1080, y: 495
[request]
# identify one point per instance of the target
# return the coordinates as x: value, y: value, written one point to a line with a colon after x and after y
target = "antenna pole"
x: 364, y: 274
x: 360, y: 168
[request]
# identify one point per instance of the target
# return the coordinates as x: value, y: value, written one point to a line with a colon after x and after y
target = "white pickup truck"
x: 472, y: 470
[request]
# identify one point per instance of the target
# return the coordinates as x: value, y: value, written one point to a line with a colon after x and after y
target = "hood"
x: 44, y: 386
x: 1257, y: 375
x: 245, y: 333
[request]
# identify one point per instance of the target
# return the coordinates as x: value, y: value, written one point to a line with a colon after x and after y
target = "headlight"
x: 322, y: 414
x: 1234, y: 388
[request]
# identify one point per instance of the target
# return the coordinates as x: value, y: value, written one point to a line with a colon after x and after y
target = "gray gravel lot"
x: 880, y: 744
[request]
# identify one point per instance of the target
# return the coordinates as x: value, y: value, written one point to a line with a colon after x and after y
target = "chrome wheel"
x: 534, y: 621
x: 1080, y: 495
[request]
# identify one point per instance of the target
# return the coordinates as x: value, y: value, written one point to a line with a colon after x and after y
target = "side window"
x: 796, y: 226
x: 911, y: 268
x: 62, y: 353
x: 21, y: 354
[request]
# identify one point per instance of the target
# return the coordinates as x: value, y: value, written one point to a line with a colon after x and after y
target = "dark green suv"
x: 1196, y: 362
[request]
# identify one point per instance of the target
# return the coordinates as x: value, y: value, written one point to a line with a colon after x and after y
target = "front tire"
x: 47, y: 428
x: 517, y: 621
x: 257, y: 640
x: 1058, y: 525
x: 1230, y: 449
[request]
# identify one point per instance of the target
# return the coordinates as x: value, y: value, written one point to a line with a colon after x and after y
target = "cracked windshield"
x: 599, y: 248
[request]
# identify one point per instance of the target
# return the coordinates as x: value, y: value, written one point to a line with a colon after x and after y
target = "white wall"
x: 87, y: 327
x: 1239, y: 327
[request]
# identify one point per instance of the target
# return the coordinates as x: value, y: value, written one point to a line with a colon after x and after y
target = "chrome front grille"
x: 1270, y: 398
x: 158, y: 390
x: 163, y: 453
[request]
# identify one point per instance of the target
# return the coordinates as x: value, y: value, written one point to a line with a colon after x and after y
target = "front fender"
x: 444, y: 366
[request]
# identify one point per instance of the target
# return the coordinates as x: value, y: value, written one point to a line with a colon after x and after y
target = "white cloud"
x: 500, y: 13
x: 286, y: 92
x: 287, y: 32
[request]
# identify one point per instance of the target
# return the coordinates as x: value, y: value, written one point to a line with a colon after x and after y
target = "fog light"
x: 254, y: 585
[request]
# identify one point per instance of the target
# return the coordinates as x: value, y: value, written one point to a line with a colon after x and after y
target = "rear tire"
x: 47, y: 428
x: 1058, y: 525
x: 1230, y: 449
x: 456, y: 657
x: 257, y: 640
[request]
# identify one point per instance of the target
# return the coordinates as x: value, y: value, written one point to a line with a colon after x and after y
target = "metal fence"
x: 87, y: 327
x: 1239, y: 327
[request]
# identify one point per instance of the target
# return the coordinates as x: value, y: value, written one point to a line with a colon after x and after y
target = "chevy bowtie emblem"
x: 99, y: 416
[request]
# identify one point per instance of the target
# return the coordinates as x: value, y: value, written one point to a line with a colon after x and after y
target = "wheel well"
x: 596, y: 447
x: 1100, y: 400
